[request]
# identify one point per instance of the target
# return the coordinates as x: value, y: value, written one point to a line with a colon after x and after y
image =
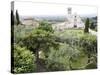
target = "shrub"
x: 45, y: 25
x: 21, y: 31
x: 92, y: 26
x: 92, y: 64
x: 89, y: 44
x: 24, y: 60
x: 59, y: 60
x: 85, y: 43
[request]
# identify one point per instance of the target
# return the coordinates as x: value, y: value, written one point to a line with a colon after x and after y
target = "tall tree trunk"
x: 89, y: 58
x: 37, y: 60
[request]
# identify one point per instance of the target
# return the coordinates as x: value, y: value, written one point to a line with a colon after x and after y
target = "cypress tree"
x: 86, y: 30
x: 17, y: 17
x: 92, y: 26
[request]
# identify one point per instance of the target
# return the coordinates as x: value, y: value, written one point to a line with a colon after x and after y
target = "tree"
x: 92, y: 26
x: 44, y: 25
x: 40, y: 39
x: 17, y: 17
x: 89, y: 44
x: 63, y: 58
x: 86, y: 30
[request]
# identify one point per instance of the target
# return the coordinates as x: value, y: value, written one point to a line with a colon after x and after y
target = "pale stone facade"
x: 72, y: 21
x: 30, y: 21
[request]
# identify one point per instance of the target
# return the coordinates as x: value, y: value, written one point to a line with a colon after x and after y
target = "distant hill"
x: 59, y: 18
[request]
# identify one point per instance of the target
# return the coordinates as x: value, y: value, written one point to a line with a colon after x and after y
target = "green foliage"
x: 39, y: 39
x: 56, y: 62
x: 20, y: 31
x: 65, y: 50
x: 92, y: 26
x: 71, y: 37
x: 86, y: 30
x: 92, y: 64
x: 44, y: 25
x: 89, y: 43
x: 60, y: 59
x: 24, y: 60
x: 85, y: 43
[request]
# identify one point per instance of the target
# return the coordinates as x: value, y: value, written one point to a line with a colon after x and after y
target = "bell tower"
x: 69, y: 11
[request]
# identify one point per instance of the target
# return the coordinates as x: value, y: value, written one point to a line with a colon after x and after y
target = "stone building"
x: 30, y: 21
x: 72, y: 21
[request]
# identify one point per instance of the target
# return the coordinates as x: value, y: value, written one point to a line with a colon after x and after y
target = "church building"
x: 72, y: 21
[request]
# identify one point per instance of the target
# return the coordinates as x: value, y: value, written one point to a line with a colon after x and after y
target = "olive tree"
x: 41, y: 38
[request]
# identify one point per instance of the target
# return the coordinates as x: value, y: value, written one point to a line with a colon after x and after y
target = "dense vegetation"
x: 24, y: 60
x: 93, y: 23
x: 43, y: 49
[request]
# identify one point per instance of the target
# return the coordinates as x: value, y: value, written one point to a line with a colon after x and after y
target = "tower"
x: 69, y: 15
x: 69, y: 11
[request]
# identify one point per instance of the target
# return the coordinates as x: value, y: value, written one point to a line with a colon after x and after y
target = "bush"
x: 89, y: 44
x: 21, y: 31
x: 79, y: 41
x: 71, y: 37
x: 92, y: 64
x: 24, y: 60
x: 45, y: 25
x: 59, y: 60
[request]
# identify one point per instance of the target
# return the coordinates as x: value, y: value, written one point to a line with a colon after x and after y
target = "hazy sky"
x: 30, y: 8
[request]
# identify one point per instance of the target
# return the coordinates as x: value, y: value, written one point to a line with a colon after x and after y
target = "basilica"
x: 72, y: 21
